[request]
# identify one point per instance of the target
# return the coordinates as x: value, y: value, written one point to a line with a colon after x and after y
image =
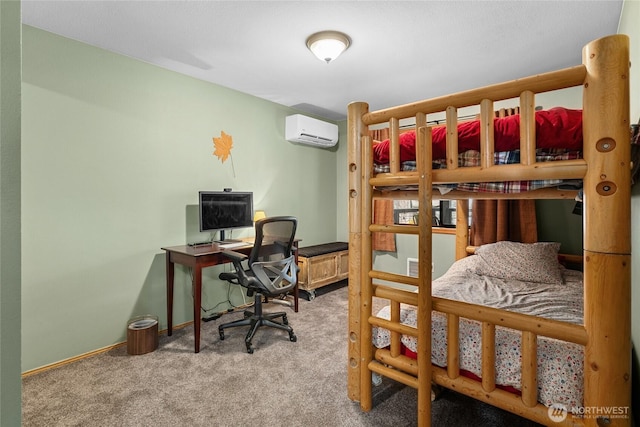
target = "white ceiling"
x: 401, y: 51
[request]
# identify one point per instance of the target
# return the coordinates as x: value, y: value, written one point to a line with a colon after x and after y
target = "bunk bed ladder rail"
x: 369, y: 363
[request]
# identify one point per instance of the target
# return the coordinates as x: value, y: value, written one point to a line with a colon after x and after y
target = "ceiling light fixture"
x: 328, y: 45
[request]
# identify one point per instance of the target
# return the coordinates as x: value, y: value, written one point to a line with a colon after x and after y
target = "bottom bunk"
x: 497, y: 277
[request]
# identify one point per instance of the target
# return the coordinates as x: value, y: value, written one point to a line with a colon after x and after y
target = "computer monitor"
x: 225, y: 210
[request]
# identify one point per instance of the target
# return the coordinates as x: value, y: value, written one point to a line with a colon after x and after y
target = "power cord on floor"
x: 217, y: 315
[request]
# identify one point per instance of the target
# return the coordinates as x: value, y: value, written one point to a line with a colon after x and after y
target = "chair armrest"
x: 234, y: 256
x: 238, y: 277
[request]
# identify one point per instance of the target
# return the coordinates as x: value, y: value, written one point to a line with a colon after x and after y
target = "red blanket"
x: 555, y: 128
x: 407, y: 352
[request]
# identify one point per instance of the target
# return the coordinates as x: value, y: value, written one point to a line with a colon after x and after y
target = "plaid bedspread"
x: 472, y: 158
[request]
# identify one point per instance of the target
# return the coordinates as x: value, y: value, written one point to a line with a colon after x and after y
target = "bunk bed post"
x: 462, y: 206
x: 607, y: 237
x: 366, y: 265
x: 356, y: 130
x: 425, y: 258
x: 462, y: 228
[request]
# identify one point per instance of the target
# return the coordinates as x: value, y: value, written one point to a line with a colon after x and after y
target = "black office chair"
x: 270, y: 272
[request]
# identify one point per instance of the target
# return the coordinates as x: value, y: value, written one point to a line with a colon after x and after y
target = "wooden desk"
x: 199, y: 257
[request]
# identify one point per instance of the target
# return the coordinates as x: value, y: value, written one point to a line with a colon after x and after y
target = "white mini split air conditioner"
x: 310, y: 131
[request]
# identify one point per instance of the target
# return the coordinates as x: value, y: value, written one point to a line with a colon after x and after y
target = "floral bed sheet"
x: 560, y: 364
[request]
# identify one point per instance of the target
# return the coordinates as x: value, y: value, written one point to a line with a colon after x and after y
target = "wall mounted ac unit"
x: 310, y: 131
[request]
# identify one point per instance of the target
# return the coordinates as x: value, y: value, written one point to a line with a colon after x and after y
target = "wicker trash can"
x: 142, y: 334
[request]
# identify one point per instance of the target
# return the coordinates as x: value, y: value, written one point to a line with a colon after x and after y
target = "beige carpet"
x: 283, y: 383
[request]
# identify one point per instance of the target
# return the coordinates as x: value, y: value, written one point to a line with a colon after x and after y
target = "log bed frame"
x: 605, y: 171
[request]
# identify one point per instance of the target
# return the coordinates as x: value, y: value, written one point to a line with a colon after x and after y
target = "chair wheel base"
x: 255, y: 320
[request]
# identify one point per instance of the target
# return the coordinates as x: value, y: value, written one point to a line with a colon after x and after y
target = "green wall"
x: 114, y: 153
x: 444, y: 246
x: 558, y: 223
x: 342, y: 192
x: 10, y: 382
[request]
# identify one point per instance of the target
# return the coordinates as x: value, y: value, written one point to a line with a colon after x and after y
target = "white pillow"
x: 527, y: 262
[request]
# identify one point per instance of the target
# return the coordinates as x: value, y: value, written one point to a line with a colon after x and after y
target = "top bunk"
x: 531, y: 154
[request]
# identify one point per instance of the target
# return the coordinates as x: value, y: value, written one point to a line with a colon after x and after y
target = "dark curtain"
x: 496, y: 220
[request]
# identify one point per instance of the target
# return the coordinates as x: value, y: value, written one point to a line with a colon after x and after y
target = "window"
x: 444, y: 213
x: 405, y: 216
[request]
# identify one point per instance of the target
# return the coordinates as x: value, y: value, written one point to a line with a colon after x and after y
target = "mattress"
x: 555, y: 128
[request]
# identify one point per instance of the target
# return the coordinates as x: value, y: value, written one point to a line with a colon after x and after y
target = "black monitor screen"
x: 221, y: 210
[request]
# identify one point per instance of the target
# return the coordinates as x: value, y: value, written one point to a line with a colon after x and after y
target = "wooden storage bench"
x: 322, y: 265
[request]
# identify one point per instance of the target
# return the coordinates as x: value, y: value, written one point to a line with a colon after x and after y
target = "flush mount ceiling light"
x: 328, y: 45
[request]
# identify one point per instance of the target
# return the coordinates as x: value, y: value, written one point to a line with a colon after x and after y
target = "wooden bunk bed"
x: 605, y: 172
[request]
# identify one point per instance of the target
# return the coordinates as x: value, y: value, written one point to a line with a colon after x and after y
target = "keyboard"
x: 200, y: 244
x: 233, y: 245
